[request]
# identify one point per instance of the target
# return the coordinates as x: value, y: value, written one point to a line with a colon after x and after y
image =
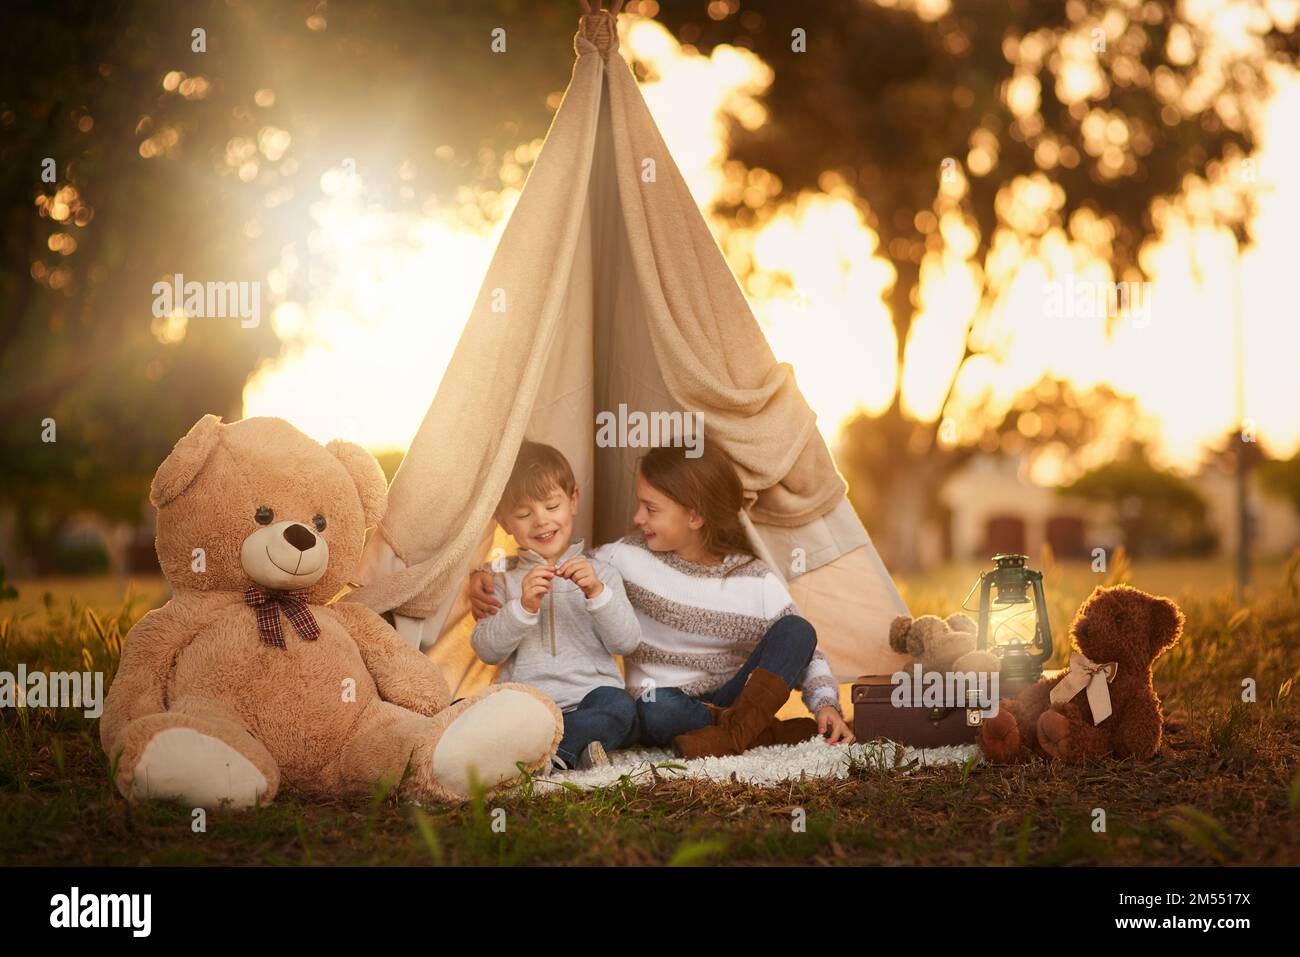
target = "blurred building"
x: 995, y: 507
x: 1275, y: 525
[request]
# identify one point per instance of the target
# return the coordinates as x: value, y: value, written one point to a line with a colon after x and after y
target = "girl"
x: 722, y: 643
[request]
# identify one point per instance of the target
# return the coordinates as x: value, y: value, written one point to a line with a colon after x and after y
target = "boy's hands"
x: 579, y: 571
x: 482, y: 602
x: 536, y: 584
x: 831, y: 726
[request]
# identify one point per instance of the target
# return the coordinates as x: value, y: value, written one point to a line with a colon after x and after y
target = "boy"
x: 565, y: 616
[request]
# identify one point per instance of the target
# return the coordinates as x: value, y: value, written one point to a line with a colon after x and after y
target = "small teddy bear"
x: 1105, y: 703
x: 941, y: 644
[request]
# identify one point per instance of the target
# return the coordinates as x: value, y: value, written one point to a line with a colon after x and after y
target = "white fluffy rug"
x: 766, y: 767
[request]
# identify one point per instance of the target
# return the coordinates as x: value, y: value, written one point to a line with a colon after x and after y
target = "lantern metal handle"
x: 1044, y: 628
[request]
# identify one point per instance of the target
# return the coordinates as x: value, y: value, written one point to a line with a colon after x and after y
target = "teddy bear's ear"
x: 1166, y: 625
x: 898, y: 630
x: 962, y: 623
x: 185, y: 461
x: 366, y: 475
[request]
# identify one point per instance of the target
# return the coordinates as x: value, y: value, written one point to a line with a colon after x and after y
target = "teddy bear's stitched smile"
x: 281, y: 567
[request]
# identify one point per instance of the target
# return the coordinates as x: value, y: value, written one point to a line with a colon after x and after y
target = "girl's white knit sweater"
x: 699, y: 623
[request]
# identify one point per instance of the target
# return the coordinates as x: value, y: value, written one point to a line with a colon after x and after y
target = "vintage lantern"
x: 1013, y: 621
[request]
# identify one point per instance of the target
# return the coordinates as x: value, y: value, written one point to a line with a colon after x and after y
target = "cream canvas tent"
x: 607, y: 290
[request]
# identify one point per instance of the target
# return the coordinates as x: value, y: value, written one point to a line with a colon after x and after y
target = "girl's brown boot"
x: 740, y: 726
x: 789, y: 731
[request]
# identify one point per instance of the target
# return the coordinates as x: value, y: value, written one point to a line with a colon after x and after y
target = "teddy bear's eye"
x: 319, y: 522
x: 263, y: 515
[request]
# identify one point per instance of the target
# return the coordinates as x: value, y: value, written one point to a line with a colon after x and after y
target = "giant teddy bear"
x: 1104, y: 704
x: 248, y: 680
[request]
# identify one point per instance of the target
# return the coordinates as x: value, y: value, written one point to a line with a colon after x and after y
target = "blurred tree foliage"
x: 159, y: 176
x: 1159, y: 513
x: 882, y: 98
x: 1053, y: 417
x: 154, y: 178
x: 7, y: 591
x: 1283, y: 478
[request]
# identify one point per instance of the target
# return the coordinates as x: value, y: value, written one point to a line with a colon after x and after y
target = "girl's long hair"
x: 709, y: 485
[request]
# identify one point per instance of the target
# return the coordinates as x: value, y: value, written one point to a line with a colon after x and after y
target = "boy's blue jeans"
x: 785, y: 650
x: 607, y: 715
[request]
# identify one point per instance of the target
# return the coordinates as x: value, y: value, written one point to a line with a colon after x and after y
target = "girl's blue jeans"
x: 785, y: 650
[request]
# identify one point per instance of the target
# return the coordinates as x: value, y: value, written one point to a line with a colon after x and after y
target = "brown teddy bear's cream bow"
x: 1086, y: 673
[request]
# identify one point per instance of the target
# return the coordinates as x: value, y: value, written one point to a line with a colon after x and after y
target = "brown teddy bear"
x: 941, y: 644
x: 1104, y: 704
x: 249, y: 679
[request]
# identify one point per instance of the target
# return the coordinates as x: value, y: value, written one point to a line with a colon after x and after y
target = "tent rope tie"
x: 597, y: 33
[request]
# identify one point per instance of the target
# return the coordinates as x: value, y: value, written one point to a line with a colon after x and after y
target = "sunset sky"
x: 390, y: 291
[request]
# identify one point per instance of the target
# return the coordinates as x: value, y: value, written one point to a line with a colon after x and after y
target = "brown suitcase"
x: 874, y: 716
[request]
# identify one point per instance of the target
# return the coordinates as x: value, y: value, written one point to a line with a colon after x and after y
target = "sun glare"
x: 373, y: 302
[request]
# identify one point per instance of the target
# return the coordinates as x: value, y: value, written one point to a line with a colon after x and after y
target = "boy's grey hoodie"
x: 568, y: 647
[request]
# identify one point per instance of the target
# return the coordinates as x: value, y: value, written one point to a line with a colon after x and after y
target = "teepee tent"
x: 606, y: 290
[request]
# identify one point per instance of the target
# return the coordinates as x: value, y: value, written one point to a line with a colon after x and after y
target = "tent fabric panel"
x: 795, y: 551
x: 848, y: 605
x: 448, y: 485
x: 616, y: 293
x: 708, y: 346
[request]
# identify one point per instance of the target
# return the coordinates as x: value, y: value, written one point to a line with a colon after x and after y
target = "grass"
x: 1223, y: 790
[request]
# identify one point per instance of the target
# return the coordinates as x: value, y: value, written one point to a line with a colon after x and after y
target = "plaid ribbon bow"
x: 268, y: 605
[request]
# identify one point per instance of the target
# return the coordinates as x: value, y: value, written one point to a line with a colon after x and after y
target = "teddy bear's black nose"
x: 300, y: 537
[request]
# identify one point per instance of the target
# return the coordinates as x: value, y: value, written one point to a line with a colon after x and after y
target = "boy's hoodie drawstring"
x: 549, y: 599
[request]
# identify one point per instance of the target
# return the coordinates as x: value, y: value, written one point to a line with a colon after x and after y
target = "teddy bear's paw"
x: 1054, y: 734
x: 490, y: 738
x: 1000, y: 736
x: 196, y: 768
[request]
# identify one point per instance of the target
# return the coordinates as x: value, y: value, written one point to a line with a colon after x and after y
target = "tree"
x: 170, y: 159
x: 128, y: 155
x: 1159, y: 513
x: 1052, y: 417
x: 1283, y: 478
x: 888, y: 102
